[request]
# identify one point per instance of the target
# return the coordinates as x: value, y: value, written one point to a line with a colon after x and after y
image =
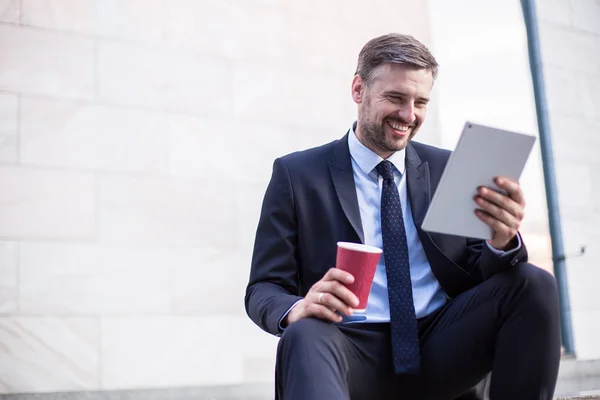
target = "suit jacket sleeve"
x: 273, y: 285
x: 486, y: 263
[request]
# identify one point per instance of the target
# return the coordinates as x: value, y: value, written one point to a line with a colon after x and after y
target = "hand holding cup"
x: 344, y: 289
x: 326, y: 298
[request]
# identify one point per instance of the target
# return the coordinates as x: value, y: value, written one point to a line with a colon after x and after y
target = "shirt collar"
x: 367, y: 159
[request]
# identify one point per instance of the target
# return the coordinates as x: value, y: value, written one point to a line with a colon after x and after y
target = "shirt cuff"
x: 502, y: 252
x: 281, y: 328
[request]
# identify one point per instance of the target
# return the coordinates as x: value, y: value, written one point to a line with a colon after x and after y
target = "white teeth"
x: 402, y: 128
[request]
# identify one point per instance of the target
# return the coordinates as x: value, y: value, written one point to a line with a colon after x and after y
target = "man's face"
x: 392, y: 109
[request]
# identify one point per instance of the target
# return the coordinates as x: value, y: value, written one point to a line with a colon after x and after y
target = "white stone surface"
x: 166, y: 79
x: 8, y: 277
x: 386, y: 13
x: 556, y: 11
x: 582, y: 97
x: 9, y: 106
x: 36, y: 203
x: 235, y: 29
x: 91, y: 136
x: 577, y: 232
x: 586, y: 333
x: 48, y: 354
x: 315, y: 9
x: 583, y: 273
x: 9, y: 109
x: 586, y: 15
x: 303, y: 138
x: 264, y: 344
x: 146, y: 138
x: 170, y: 351
x: 249, y: 198
x: 128, y: 19
x: 575, y: 139
x: 135, y: 209
x: 574, y: 182
x: 569, y: 48
x: 46, y: 63
x: 259, y: 359
x: 327, y: 46
x: 262, y: 99
x: 94, y: 279
x: 208, y: 148
x: 208, y: 281
x: 596, y: 186
x: 583, y: 277
x: 9, y: 11
x: 8, y: 149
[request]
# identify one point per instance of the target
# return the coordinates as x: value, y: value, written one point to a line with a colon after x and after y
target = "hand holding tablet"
x: 468, y: 182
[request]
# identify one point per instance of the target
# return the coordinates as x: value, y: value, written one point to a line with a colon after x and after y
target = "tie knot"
x: 385, y: 169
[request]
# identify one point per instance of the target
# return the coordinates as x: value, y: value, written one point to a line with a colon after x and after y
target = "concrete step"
x: 577, y: 380
x: 591, y: 395
x: 240, y: 392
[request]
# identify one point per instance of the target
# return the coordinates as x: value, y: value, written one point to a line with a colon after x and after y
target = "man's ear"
x: 358, y: 89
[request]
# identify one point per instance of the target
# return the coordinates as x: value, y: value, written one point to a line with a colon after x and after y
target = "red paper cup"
x: 361, y: 261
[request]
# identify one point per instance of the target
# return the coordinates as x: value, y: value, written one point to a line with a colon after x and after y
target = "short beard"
x: 372, y: 132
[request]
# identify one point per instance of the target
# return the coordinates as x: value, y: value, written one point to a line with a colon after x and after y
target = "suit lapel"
x: 419, y: 188
x: 340, y: 169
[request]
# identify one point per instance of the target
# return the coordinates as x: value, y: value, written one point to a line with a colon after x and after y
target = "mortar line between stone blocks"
x: 124, y: 106
x: 154, y: 45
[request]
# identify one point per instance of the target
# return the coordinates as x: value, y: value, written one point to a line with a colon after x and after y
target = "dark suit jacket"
x: 311, y: 204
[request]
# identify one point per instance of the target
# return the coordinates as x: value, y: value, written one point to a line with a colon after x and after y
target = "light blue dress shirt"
x: 428, y: 295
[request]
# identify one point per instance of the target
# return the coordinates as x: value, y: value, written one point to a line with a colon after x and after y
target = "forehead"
x: 402, y: 78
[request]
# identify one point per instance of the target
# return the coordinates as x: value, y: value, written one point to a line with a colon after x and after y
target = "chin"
x: 398, y: 144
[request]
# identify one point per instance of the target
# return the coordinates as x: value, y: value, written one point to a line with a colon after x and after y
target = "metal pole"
x: 558, y: 258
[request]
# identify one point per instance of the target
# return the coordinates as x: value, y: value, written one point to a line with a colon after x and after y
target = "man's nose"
x: 407, y: 113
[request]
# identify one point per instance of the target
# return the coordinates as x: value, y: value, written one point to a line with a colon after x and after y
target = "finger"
x: 336, y: 274
x: 340, y: 291
x: 499, y: 213
x: 512, y: 187
x: 334, y: 303
x: 502, y: 201
x: 321, y: 311
x: 497, y: 226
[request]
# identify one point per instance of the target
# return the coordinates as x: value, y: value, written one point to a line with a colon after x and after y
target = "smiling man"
x: 443, y: 310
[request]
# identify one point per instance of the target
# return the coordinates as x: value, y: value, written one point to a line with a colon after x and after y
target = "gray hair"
x: 394, y: 48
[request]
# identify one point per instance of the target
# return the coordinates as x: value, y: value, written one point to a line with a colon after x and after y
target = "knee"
x: 535, y: 279
x: 538, y: 287
x: 306, y: 339
x: 305, y: 332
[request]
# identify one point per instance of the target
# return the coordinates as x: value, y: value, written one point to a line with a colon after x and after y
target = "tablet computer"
x: 481, y: 154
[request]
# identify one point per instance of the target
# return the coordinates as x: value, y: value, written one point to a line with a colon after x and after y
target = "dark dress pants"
x: 508, y: 325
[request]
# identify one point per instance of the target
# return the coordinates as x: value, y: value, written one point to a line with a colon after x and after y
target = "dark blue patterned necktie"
x: 405, y: 334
